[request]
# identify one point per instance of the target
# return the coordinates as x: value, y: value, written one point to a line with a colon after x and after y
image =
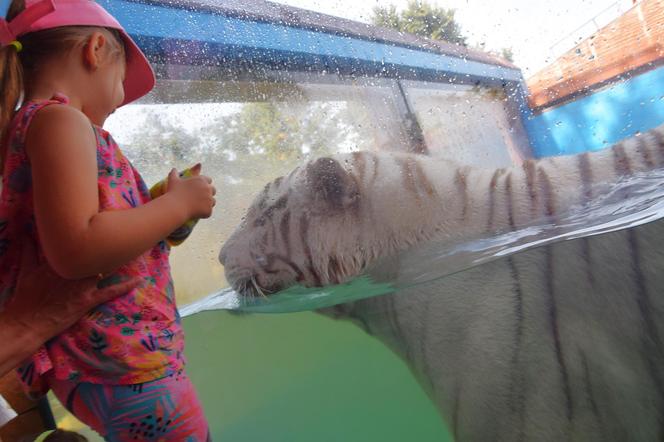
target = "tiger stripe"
x: 408, y: 178
x: 284, y: 228
x: 510, y: 203
x: 586, y: 174
x: 423, y: 345
x: 517, y: 382
x: 549, y: 286
x: 399, y: 330
x: 421, y: 178
x: 376, y: 163
x: 622, y: 165
x: 360, y: 162
x: 492, y: 198
x: 462, y: 189
x: 299, y: 275
x: 304, y: 231
x: 591, y: 395
x: 530, y: 171
x: 516, y: 349
x: 550, y: 291
x: 659, y: 142
x: 642, y: 149
x: 546, y: 192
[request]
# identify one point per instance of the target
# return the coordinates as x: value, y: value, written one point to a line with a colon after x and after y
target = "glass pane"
x: 476, y: 126
x: 245, y: 144
x: 259, y: 376
x: 506, y: 162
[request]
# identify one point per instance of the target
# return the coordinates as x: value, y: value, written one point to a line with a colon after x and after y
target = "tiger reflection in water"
x: 561, y: 342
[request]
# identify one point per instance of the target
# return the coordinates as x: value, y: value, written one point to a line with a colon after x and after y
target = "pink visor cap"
x: 47, y: 14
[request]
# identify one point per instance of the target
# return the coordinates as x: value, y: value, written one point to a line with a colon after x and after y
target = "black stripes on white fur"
x: 561, y: 342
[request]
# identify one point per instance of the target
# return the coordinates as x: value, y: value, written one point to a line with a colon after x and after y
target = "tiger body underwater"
x: 560, y: 342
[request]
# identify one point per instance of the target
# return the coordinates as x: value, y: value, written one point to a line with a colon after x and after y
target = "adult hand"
x: 44, y: 304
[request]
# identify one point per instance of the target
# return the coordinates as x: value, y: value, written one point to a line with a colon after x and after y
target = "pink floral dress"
x: 133, y: 339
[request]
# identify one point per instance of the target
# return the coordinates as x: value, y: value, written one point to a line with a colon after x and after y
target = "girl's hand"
x: 196, y: 193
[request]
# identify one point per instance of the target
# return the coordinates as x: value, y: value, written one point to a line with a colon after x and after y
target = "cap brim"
x: 139, y: 76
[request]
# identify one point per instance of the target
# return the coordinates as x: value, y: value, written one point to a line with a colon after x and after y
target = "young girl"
x: 68, y: 187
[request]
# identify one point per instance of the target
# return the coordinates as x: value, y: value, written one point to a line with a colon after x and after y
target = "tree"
x: 278, y: 134
x: 162, y: 143
x: 422, y: 19
x: 507, y: 54
x: 386, y: 16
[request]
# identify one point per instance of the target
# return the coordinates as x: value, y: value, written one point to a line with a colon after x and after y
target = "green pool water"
x: 300, y: 377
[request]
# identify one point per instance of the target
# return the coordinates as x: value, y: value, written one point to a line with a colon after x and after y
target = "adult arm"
x: 44, y: 305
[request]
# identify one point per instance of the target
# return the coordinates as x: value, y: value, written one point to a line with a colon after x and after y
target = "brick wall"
x: 633, y: 42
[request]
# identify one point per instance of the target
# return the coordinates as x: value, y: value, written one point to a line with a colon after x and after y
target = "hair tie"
x: 17, y: 45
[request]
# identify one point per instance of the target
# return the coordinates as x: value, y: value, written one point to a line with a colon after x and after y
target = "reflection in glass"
x: 245, y: 144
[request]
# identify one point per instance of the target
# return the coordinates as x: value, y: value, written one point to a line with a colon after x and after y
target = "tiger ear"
x: 333, y: 189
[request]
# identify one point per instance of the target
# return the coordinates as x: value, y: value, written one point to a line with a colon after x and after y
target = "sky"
x: 529, y: 27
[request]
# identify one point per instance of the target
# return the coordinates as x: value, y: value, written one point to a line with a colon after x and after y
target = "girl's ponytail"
x: 11, y: 83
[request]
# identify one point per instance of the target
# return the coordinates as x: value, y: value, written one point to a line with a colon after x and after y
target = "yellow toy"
x: 178, y: 236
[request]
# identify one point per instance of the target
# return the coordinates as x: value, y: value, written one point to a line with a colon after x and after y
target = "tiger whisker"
x: 249, y: 290
x: 243, y: 289
x: 258, y: 289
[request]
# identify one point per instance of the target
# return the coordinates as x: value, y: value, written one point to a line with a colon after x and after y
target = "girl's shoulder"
x: 58, y: 125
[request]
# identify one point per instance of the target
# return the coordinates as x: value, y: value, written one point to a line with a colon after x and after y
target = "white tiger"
x: 562, y: 342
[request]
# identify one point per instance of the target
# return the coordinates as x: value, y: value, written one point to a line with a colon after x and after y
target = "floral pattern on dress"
x: 134, y: 338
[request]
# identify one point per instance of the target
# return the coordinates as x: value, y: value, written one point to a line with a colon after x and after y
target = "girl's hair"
x: 38, y: 47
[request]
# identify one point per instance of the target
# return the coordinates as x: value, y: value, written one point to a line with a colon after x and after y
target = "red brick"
x: 624, y: 45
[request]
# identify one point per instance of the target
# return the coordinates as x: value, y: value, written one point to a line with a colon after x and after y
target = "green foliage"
x: 507, y: 54
x: 422, y: 19
x: 246, y: 144
x: 387, y: 17
x: 161, y: 143
x: 280, y: 131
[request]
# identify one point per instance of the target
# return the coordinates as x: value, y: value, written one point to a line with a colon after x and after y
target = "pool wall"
x: 600, y: 119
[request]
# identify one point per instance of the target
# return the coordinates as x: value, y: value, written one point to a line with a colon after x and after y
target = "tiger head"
x: 302, y: 229
x: 330, y: 219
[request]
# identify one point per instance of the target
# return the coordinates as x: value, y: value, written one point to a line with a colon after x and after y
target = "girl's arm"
x: 77, y: 239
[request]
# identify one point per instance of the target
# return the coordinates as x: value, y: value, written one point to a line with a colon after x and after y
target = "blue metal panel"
x: 599, y: 120
x: 212, y: 37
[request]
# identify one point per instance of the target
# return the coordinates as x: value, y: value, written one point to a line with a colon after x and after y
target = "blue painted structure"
x: 598, y: 120
x: 200, y: 37
x: 185, y: 34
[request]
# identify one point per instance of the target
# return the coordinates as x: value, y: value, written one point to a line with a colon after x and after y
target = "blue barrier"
x: 596, y: 121
x: 191, y: 37
x: 199, y: 37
